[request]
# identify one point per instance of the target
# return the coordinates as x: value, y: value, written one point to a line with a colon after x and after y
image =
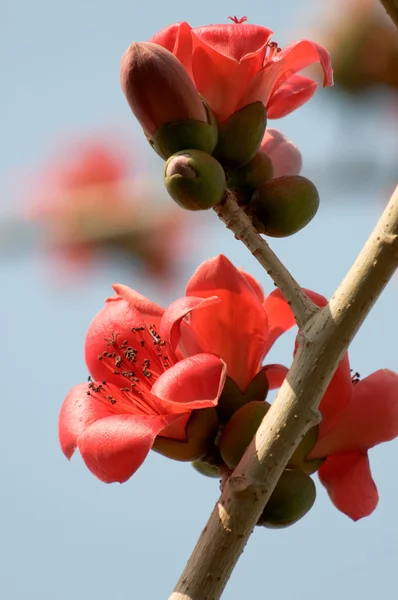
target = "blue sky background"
x: 63, y: 534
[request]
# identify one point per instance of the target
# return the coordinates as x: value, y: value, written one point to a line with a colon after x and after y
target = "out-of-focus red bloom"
x: 285, y: 156
x: 87, y: 202
x: 141, y: 387
x: 237, y: 64
x: 356, y: 415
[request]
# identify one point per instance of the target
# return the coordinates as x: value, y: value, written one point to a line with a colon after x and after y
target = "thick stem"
x: 322, y: 344
x: 391, y: 7
x: 241, y: 225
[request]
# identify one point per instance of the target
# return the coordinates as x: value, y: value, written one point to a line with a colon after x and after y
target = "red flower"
x: 140, y: 388
x: 234, y: 65
x: 356, y: 415
x: 285, y: 156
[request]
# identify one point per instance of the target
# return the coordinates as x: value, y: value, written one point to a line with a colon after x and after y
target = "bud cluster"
x: 204, y: 158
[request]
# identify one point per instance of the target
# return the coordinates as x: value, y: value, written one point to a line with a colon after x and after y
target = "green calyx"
x: 180, y: 135
x: 299, y: 459
x: 293, y: 496
x: 240, y: 136
x: 194, y: 179
x: 232, y: 398
x: 204, y: 468
x: 239, y: 431
x: 248, y: 178
x: 282, y: 206
x: 201, y: 431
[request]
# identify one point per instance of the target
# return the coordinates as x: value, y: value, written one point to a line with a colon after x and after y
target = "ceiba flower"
x: 233, y: 65
x: 139, y: 388
x: 356, y: 415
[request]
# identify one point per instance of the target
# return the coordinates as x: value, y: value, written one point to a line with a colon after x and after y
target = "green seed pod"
x: 298, y: 460
x: 240, y: 136
x: 180, y: 135
x: 283, y: 206
x: 205, y: 469
x: 194, y: 179
x: 201, y: 431
x: 251, y: 176
x: 293, y: 496
x: 239, y: 431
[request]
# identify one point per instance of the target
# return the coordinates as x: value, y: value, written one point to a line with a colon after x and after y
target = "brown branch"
x: 391, y: 7
x: 241, y: 225
x: 322, y: 344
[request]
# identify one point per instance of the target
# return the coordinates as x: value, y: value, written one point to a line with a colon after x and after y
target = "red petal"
x: 235, y: 42
x: 170, y: 325
x: 275, y: 375
x: 149, y: 311
x: 195, y: 382
x: 285, y: 156
x: 254, y: 284
x: 290, y: 95
x: 235, y: 329
x: 369, y: 419
x: 177, y: 39
x: 349, y: 483
x: 336, y: 398
x: 115, y: 447
x: 78, y: 412
x: 280, y: 315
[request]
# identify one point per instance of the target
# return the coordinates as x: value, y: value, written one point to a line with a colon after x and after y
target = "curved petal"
x: 284, y: 65
x: 236, y: 329
x: 337, y: 396
x: 78, y: 411
x: 115, y: 447
x: 369, y: 419
x: 194, y: 382
x: 254, y: 284
x: 292, y: 94
x: 349, y: 483
x: 170, y: 325
x: 275, y: 375
x: 150, y: 311
x: 285, y: 156
x: 280, y: 315
x: 235, y: 41
x: 177, y: 39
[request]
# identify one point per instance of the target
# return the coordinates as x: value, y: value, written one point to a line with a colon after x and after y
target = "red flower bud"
x: 158, y: 88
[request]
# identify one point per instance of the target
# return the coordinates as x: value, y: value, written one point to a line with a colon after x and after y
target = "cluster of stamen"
x: 272, y: 49
x: 238, y: 21
x: 355, y: 378
x: 139, y: 372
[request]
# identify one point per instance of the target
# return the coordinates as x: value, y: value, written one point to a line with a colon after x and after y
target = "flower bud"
x: 293, y: 496
x: 158, y: 88
x: 180, y: 135
x: 239, y: 137
x: 232, y: 398
x: 283, y: 206
x: 194, y: 179
x: 285, y: 156
x: 239, y: 431
x: 248, y: 178
x: 298, y: 460
x: 201, y: 430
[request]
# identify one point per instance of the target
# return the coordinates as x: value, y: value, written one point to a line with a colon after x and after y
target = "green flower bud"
x: 182, y: 134
x: 293, y: 496
x: 283, y: 206
x: 194, y: 179
x: 206, y: 469
x: 239, y: 431
x: 240, y: 136
x: 251, y: 176
x: 232, y: 398
x: 201, y: 431
x: 298, y: 460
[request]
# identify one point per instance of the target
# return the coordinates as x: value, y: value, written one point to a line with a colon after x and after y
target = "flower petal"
x: 285, y: 156
x: 194, y: 382
x: 236, y: 329
x: 280, y: 315
x: 275, y: 375
x: 292, y: 94
x: 236, y: 42
x: 79, y: 410
x: 150, y: 311
x: 337, y: 396
x: 254, y: 284
x: 349, y: 483
x: 177, y: 39
x: 369, y: 419
x: 115, y: 447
